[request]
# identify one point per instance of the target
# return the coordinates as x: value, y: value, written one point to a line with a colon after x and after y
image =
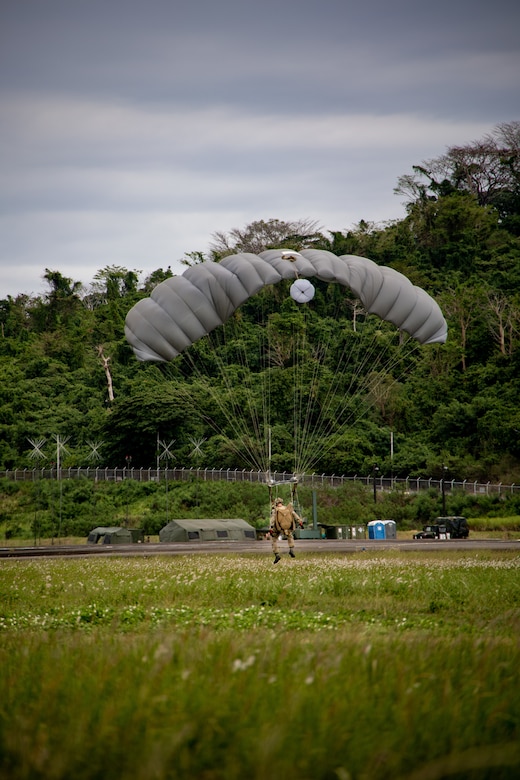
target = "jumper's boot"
x: 276, y: 558
x: 291, y: 552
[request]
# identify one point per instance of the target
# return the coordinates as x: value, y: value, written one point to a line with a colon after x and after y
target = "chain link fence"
x: 377, y: 482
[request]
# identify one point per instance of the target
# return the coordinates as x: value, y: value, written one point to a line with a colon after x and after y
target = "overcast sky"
x: 131, y: 131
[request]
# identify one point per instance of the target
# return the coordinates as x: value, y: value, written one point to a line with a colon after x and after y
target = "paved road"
x: 261, y: 547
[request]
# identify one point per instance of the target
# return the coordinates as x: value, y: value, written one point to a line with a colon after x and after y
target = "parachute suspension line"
x: 223, y: 396
x: 263, y: 380
x: 341, y: 408
x: 306, y: 384
x: 265, y: 389
x: 306, y: 392
x: 324, y: 403
x: 216, y: 398
x: 246, y: 408
x: 243, y: 394
x: 269, y: 454
x: 318, y: 401
x: 358, y: 405
x: 311, y: 426
x: 297, y: 401
x: 332, y: 409
x: 306, y: 372
x: 249, y: 417
x: 338, y: 407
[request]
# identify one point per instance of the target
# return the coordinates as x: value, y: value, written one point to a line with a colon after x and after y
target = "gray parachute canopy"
x: 185, y: 308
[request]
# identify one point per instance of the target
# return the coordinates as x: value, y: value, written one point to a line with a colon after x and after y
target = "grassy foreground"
x: 366, y: 666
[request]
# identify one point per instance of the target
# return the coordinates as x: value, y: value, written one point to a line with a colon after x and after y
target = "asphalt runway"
x: 260, y: 547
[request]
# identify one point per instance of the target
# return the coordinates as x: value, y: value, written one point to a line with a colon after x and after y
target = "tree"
x: 15, y: 317
x: 149, y: 406
x: 193, y: 258
x: 156, y: 277
x: 113, y: 282
x: 62, y: 301
x: 62, y: 288
x: 105, y: 362
x: 488, y: 169
x: 460, y: 305
x: 261, y: 235
x: 453, y: 233
x: 503, y: 318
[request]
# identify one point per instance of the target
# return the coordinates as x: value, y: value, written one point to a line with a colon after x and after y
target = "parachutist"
x: 283, y: 521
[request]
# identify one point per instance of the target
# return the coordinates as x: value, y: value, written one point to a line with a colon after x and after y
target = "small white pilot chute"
x: 302, y: 291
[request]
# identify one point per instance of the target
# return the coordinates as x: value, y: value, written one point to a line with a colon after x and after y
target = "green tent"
x: 207, y: 531
x: 110, y: 536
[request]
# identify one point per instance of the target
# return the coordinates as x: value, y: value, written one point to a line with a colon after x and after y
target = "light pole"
x: 37, y: 453
x: 196, y: 455
x: 375, y: 469
x: 167, y: 455
x: 128, y: 459
x: 60, y: 447
x: 443, y: 490
x: 94, y: 457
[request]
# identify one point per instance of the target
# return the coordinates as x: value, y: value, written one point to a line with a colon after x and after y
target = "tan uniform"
x: 283, y: 521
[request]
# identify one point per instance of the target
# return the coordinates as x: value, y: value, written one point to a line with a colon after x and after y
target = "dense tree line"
x: 72, y: 389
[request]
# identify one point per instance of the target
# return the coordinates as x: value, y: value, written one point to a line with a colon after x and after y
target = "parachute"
x: 184, y: 309
x: 282, y: 374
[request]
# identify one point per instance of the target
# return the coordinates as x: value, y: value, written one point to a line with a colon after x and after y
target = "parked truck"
x: 454, y: 527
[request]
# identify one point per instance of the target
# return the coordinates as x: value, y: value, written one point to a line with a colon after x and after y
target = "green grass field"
x: 223, y: 667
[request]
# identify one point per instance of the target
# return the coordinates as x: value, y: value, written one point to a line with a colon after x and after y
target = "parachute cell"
x: 184, y: 308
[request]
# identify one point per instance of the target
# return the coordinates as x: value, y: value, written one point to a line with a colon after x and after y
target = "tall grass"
x: 374, y: 665
x: 504, y: 525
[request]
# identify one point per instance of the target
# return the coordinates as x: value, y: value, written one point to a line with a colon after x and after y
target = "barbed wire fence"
x: 378, y: 482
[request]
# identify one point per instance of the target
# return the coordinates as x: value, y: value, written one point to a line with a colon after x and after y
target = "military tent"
x: 207, y: 531
x: 110, y: 536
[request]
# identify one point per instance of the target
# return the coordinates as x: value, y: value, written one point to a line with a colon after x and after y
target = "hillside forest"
x: 70, y: 380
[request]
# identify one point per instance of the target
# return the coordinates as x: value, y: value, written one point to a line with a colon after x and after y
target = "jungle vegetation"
x: 67, y: 374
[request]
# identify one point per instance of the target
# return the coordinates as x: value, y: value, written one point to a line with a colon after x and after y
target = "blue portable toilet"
x: 382, y: 529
